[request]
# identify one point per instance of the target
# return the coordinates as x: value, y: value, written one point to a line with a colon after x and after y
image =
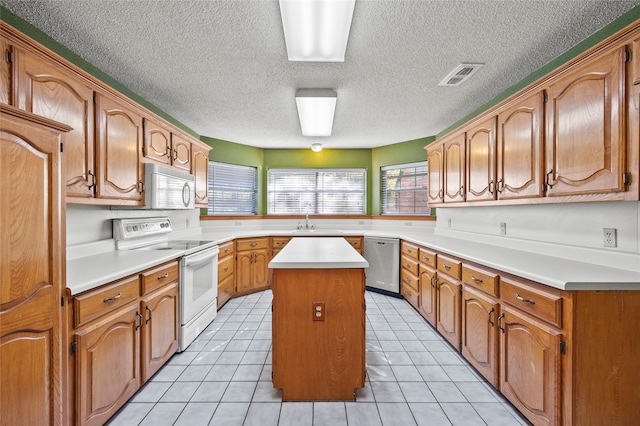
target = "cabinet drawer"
x: 532, y: 300
x: 157, y: 277
x: 252, y: 244
x: 410, y: 293
x: 481, y: 279
x: 427, y: 257
x: 356, y: 242
x: 226, y: 290
x: 449, y: 266
x: 279, y: 242
x: 226, y: 249
x: 409, y: 249
x: 408, y: 279
x: 410, y: 264
x: 93, y: 304
x: 225, y: 268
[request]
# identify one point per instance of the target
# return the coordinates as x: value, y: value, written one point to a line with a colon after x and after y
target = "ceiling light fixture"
x: 316, y: 147
x: 316, y: 108
x: 316, y: 30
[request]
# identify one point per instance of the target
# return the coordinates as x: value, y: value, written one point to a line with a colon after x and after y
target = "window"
x: 317, y: 191
x: 232, y: 189
x: 404, y: 189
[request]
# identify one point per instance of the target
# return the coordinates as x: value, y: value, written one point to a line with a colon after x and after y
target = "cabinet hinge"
x: 626, y: 179
x: 8, y: 56
x: 73, y: 348
x: 563, y: 347
x: 61, y: 147
x: 62, y: 301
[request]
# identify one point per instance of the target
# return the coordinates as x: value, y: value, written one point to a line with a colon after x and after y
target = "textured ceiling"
x: 220, y: 67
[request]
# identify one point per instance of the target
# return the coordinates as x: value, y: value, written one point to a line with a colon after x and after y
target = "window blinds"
x: 404, y: 189
x: 232, y: 189
x: 316, y: 191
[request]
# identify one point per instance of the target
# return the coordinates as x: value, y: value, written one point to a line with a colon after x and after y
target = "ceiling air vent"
x: 461, y: 73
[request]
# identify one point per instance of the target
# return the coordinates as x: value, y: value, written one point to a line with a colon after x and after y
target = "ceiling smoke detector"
x: 460, y: 74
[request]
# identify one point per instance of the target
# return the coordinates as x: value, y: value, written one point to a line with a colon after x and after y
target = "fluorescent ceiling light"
x: 316, y: 30
x: 316, y: 108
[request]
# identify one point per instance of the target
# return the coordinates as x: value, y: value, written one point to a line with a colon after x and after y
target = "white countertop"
x: 87, y: 272
x: 318, y: 253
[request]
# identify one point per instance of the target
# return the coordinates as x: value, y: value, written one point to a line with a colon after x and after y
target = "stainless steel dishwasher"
x: 383, y: 273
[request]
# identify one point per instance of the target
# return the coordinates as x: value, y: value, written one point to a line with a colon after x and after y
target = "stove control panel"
x: 125, y: 229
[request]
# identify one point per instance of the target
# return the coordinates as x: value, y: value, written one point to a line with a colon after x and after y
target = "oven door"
x: 198, y: 282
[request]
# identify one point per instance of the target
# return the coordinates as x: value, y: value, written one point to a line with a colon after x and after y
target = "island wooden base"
x: 318, y: 358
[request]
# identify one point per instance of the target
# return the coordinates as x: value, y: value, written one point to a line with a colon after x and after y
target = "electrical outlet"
x: 609, y: 237
x: 408, y: 223
x: 238, y: 223
x: 503, y: 228
x: 448, y: 223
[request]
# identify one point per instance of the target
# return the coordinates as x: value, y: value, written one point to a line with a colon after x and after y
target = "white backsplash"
x: 87, y: 224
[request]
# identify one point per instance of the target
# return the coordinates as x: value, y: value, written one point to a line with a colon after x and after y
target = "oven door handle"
x: 197, y: 259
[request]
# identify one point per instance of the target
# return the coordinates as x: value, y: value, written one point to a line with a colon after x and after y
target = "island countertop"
x: 318, y: 253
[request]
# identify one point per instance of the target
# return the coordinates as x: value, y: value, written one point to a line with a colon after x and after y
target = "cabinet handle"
x: 139, y: 320
x: 93, y: 180
x: 226, y: 269
x: 546, y: 180
x: 441, y: 194
x: 149, y: 311
x: 426, y: 258
x: 162, y: 277
x: 522, y: 299
x: 433, y: 281
x: 168, y: 149
x: 175, y: 154
x: 253, y: 244
x: 500, y: 186
x: 141, y: 186
x: 447, y: 267
x: 408, y: 265
x: 500, y: 322
x: 491, y: 189
x: 461, y: 191
x: 111, y: 299
x: 490, y: 312
x: 478, y: 280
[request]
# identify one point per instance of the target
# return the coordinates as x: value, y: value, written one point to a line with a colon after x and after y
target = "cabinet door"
x: 585, y: 146
x: 481, y: 161
x: 428, y: 294
x: 181, y: 153
x: 157, y: 142
x: 520, y: 144
x: 479, y: 333
x: 448, y: 311
x: 260, y: 269
x: 200, y: 168
x: 226, y: 290
x: 31, y: 274
x: 119, y: 131
x: 5, y: 72
x: 160, y: 329
x: 436, y: 173
x: 244, y: 264
x: 454, y: 168
x: 49, y: 91
x: 530, y: 366
x: 107, y: 365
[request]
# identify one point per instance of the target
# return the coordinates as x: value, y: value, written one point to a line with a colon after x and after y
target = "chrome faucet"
x: 306, y: 221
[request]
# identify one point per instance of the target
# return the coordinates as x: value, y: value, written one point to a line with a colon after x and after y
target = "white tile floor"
x: 224, y: 377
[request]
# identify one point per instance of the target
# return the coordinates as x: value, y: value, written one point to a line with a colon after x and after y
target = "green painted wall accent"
x: 327, y: 158
x: 42, y: 38
x: 388, y: 155
x: 615, y: 26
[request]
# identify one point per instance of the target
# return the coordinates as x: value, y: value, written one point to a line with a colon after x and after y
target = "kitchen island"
x: 318, y: 320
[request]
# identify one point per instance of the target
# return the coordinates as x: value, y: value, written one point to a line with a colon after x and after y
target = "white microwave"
x: 168, y: 189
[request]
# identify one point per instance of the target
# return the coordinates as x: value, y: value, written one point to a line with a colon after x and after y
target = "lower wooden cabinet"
x: 480, y: 333
x: 428, y: 296
x: 409, y: 286
x: 530, y: 366
x: 226, y: 272
x: 107, y: 365
x: 124, y: 333
x: 252, y: 264
x: 448, y: 310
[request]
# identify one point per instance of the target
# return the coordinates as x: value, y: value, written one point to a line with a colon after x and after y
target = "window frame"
x: 384, y: 190
x: 235, y: 190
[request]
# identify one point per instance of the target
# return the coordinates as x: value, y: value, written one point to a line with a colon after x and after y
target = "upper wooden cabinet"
x: 436, y: 173
x: 120, y: 171
x: 520, y: 144
x: 164, y: 147
x: 481, y: 161
x: 200, y: 169
x: 32, y: 228
x: 585, y: 126
x: 454, y: 168
x: 50, y: 91
x: 5, y: 71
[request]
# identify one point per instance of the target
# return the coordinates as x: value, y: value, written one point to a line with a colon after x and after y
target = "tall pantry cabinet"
x: 32, y: 229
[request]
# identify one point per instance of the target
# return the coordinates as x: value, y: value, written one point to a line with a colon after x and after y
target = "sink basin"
x: 318, y: 232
